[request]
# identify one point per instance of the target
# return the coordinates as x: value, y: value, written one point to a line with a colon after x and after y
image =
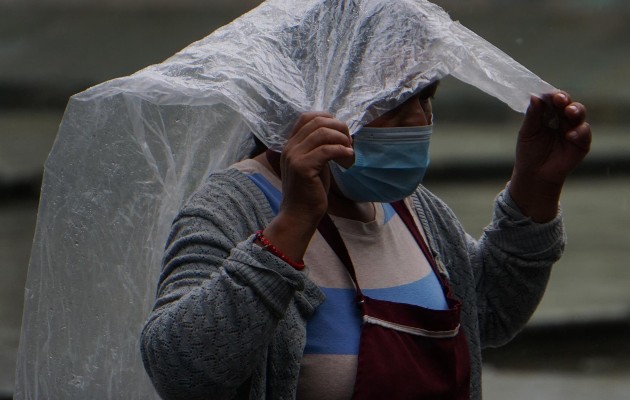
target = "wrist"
x: 536, y: 199
x: 264, y: 242
x: 302, y: 217
x: 289, y: 235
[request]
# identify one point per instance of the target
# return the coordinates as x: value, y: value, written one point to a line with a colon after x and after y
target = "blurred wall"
x: 51, y: 49
x: 579, y: 46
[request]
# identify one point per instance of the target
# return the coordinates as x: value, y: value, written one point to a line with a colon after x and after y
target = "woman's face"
x: 414, y: 112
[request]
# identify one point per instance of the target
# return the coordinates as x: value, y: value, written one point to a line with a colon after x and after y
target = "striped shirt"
x: 389, y: 266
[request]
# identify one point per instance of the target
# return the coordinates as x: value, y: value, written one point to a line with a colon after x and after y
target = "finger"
x: 346, y: 161
x: 312, y: 163
x: 323, y: 136
x: 306, y: 117
x: 534, y: 118
x: 299, y: 155
x: 572, y: 116
x: 322, y: 122
x: 575, y: 112
x: 581, y: 136
x: 562, y: 112
x: 321, y: 155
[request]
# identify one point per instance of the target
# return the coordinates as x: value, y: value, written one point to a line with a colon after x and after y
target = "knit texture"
x: 230, y: 318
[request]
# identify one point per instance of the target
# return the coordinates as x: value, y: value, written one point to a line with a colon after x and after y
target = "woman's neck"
x: 340, y: 206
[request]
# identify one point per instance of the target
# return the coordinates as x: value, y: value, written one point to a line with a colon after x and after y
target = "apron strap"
x: 403, y: 211
x: 331, y: 234
x: 404, y: 214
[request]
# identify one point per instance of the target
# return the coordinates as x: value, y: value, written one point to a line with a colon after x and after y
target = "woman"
x: 257, y: 297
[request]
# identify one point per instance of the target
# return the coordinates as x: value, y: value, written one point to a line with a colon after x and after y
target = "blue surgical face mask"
x: 389, y: 164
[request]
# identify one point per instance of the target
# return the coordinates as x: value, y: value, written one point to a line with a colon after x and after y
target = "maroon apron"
x: 407, y: 351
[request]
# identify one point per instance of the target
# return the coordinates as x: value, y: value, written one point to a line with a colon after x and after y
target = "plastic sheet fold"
x: 130, y: 151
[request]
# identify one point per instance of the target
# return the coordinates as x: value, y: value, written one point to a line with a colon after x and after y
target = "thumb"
x: 580, y: 137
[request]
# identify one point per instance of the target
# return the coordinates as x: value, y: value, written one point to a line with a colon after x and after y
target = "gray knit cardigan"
x: 230, y: 318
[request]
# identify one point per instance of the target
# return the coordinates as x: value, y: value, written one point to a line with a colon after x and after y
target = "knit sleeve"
x: 511, y: 265
x: 220, y: 296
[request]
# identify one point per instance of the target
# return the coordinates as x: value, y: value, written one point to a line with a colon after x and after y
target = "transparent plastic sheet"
x: 130, y: 151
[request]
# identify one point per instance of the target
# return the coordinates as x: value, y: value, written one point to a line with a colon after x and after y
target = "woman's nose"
x: 415, y: 112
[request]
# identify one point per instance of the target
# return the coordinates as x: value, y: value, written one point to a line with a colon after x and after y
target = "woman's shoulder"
x: 230, y: 188
x: 237, y: 175
x: 430, y: 202
x: 227, y: 180
x: 436, y: 213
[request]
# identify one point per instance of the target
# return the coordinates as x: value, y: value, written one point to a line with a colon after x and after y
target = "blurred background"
x: 576, y: 346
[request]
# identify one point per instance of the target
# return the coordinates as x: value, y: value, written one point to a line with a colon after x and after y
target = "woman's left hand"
x: 552, y: 142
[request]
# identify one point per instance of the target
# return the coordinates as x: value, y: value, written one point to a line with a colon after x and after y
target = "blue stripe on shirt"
x: 335, y: 326
x: 273, y: 195
x: 389, y: 211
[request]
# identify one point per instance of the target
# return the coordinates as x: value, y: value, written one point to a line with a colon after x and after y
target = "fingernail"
x: 573, y: 135
x: 563, y: 96
x: 573, y: 109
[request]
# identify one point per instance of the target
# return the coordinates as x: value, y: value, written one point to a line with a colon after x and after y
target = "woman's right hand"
x: 316, y: 139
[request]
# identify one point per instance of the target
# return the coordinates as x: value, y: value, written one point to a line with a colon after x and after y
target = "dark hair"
x: 259, y: 147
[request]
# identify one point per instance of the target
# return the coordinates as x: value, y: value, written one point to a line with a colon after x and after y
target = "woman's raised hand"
x: 316, y: 139
x: 552, y: 142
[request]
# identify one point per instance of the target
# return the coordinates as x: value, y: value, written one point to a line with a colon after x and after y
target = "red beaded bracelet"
x: 266, y: 244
